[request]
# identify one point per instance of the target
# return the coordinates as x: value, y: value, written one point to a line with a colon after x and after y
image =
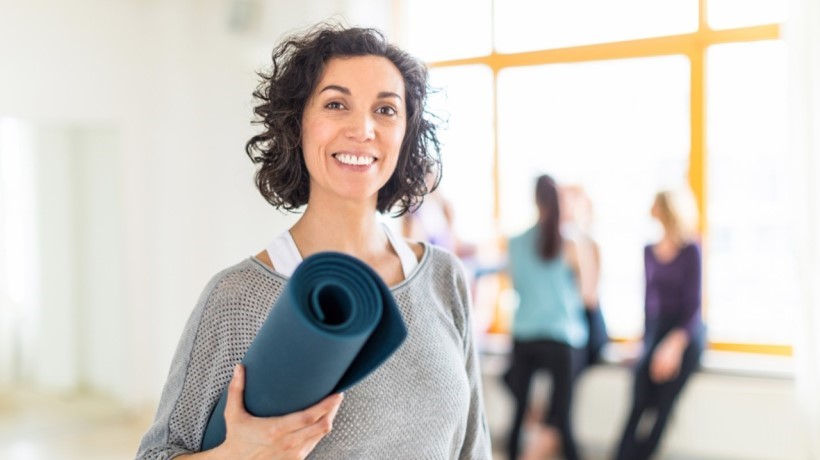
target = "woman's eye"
x: 334, y: 105
x: 386, y: 110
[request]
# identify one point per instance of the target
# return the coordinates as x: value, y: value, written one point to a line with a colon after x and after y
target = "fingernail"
x: 236, y: 369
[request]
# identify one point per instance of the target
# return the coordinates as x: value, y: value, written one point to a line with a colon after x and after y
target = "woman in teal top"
x: 549, y: 329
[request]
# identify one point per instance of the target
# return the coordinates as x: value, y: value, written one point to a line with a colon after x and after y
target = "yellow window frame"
x: 694, y: 46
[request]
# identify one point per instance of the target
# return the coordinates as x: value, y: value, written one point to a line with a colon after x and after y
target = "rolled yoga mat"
x: 334, y: 323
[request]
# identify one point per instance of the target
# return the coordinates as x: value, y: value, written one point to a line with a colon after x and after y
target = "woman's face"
x: 352, y: 128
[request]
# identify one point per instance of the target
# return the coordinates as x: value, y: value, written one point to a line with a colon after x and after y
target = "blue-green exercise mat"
x: 335, y: 322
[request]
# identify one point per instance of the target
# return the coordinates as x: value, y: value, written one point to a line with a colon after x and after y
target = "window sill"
x: 495, y: 349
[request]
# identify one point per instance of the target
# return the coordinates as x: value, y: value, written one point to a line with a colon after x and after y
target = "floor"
x: 39, y: 427
x: 34, y: 426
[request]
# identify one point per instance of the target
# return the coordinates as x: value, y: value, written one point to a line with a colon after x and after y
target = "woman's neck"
x: 344, y: 227
x: 672, y: 239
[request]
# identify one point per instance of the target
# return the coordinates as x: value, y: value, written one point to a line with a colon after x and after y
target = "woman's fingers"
x: 235, y: 403
x: 321, y: 427
x: 294, y: 435
x: 310, y: 416
x: 309, y: 436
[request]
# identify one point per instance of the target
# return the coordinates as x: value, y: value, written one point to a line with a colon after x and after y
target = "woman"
x: 576, y: 221
x: 345, y: 134
x: 674, y: 333
x: 549, y: 328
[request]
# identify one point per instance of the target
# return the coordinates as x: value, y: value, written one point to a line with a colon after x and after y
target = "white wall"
x: 79, y: 316
x: 52, y: 361
x: 99, y: 253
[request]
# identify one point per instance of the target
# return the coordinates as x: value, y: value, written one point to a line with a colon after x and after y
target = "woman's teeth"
x: 354, y: 160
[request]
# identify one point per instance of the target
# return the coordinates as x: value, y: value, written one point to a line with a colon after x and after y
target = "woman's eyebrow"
x: 385, y: 94
x: 346, y: 91
x: 338, y: 88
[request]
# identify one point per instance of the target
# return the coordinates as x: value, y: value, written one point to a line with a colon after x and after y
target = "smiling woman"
x: 322, y: 68
x: 346, y: 136
x: 352, y: 128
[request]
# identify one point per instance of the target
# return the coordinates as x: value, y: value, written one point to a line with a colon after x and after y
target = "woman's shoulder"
x: 246, y: 268
x: 438, y: 256
x: 522, y: 241
x: 692, y: 250
x: 247, y: 276
x: 527, y: 234
x: 437, y: 262
x: 445, y: 275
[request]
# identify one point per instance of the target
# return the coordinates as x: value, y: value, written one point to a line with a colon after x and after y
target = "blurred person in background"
x: 549, y: 328
x: 434, y: 222
x: 674, y: 334
x: 346, y: 134
x: 576, y: 225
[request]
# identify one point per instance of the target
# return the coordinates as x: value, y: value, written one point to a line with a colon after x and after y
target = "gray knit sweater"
x: 423, y: 403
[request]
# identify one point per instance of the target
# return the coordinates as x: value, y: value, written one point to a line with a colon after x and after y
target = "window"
x: 439, y: 36
x: 17, y: 223
x: 526, y: 25
x: 620, y: 129
x: 18, y: 245
x: 637, y: 96
x: 749, y: 271
x: 464, y: 104
x: 727, y: 14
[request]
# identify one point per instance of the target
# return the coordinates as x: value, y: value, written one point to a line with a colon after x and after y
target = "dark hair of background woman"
x: 549, y: 232
x: 297, y: 67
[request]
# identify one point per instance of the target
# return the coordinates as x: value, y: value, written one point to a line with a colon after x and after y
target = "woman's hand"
x: 666, y: 360
x: 291, y: 436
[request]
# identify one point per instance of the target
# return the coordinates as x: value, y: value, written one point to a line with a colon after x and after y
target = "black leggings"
x: 562, y: 361
x: 660, y: 398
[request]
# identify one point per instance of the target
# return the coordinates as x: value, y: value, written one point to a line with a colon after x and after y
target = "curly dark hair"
x: 298, y: 64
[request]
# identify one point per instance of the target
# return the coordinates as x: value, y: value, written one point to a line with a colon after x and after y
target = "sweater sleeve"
x: 164, y: 439
x: 477, y: 437
x: 690, y: 316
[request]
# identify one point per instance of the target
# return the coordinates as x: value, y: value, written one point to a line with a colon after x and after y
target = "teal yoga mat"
x: 334, y: 323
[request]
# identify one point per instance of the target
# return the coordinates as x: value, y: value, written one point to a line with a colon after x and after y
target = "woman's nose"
x: 361, y: 127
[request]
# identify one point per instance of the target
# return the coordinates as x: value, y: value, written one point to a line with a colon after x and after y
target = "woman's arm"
x: 590, y: 264
x: 692, y: 281
x: 582, y: 257
x: 668, y: 355
x: 477, y: 437
x: 166, y: 439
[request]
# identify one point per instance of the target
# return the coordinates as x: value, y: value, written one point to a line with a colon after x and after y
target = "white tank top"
x: 285, y: 257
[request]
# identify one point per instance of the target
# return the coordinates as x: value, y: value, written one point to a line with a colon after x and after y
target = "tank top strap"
x: 406, y: 255
x: 283, y: 254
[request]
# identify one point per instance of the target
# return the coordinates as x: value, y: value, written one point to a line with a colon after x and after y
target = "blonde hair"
x: 678, y: 212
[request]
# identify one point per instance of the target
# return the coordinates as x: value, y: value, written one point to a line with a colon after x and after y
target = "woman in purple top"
x: 674, y: 332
